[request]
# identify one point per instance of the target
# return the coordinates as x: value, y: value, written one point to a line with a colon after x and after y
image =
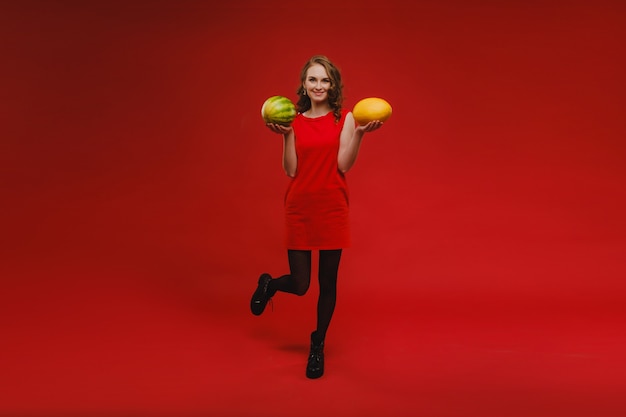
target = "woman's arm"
x: 290, y: 158
x: 350, y: 141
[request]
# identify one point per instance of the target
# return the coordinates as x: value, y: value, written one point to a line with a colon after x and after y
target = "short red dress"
x: 317, y: 199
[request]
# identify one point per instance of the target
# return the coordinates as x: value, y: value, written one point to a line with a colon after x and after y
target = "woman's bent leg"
x: 297, y: 282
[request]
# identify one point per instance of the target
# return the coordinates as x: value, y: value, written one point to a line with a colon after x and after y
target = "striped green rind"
x: 278, y: 109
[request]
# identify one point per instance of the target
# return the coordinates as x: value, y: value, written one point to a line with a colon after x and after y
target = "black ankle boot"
x: 261, y: 295
x: 315, y: 364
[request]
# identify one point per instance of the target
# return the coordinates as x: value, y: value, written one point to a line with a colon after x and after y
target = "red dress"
x: 316, y: 202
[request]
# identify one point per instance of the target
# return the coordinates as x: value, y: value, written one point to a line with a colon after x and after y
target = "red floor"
x: 102, y: 342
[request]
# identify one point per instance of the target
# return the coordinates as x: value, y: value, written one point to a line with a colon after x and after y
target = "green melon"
x: 279, y: 110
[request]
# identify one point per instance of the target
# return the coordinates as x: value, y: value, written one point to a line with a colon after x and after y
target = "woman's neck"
x: 318, y: 110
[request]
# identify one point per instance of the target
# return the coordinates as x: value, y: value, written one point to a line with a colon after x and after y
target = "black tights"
x: 299, y: 279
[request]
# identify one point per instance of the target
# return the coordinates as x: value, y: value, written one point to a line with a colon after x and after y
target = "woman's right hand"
x: 276, y: 128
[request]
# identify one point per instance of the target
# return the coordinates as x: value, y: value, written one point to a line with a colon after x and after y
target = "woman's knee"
x: 328, y: 285
x: 302, y: 286
x: 300, y: 268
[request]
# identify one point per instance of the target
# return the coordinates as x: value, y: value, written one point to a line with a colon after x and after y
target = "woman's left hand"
x: 371, y: 126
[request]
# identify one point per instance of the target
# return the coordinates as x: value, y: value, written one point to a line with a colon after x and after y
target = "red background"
x: 142, y: 196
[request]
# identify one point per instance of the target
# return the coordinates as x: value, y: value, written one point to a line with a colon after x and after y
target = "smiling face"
x: 317, y: 83
x: 320, y: 87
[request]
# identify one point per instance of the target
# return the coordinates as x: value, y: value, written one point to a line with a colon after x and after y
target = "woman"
x: 319, y: 147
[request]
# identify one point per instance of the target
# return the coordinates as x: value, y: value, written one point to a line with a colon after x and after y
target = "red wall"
x: 132, y: 143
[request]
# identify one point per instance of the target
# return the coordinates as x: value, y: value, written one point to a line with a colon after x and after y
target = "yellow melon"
x: 370, y: 109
